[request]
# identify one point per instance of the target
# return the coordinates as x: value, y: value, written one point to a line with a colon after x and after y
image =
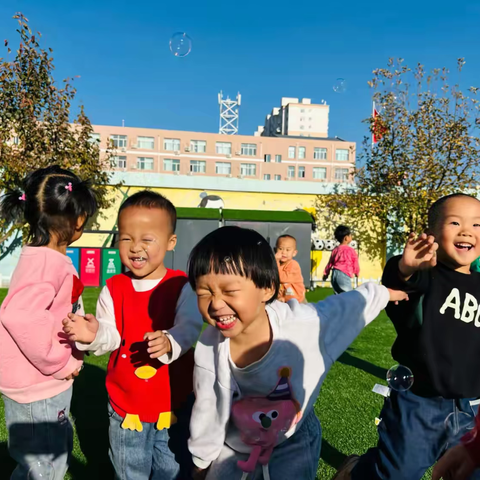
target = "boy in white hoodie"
x: 259, y: 367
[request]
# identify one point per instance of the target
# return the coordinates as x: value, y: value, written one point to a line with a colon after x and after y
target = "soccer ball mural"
x: 330, y: 245
x: 318, y: 244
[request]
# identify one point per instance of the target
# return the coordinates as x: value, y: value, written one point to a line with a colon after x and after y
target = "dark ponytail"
x: 52, y: 201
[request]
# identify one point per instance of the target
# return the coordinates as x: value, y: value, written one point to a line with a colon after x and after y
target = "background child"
x: 149, y: 319
x: 291, y: 279
x: 37, y: 364
x: 260, y: 363
x: 438, y: 338
x: 343, y: 262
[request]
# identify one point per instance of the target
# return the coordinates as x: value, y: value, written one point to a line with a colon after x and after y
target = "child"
x: 149, y: 319
x: 438, y: 338
x: 291, y: 280
x: 260, y: 364
x: 37, y: 364
x: 343, y: 262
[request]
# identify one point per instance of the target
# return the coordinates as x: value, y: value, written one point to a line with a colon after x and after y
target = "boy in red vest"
x: 148, y: 319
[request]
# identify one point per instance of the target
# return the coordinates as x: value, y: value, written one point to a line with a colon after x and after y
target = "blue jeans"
x: 151, y: 454
x: 412, y: 436
x: 40, y: 437
x: 341, y: 282
x: 294, y: 459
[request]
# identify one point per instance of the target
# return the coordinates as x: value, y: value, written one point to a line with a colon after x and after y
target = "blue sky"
x: 263, y: 49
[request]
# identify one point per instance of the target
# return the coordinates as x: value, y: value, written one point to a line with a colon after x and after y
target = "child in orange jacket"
x: 291, y: 279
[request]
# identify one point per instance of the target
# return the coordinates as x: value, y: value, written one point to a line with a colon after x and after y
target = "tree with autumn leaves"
x: 427, y: 147
x: 35, y: 126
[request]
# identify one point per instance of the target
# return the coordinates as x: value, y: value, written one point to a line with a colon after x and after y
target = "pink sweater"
x: 34, y: 356
x: 345, y: 259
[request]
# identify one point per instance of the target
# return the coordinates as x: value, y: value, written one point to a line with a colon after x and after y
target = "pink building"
x: 172, y: 152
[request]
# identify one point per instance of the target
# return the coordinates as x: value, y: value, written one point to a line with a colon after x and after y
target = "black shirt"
x: 438, y: 330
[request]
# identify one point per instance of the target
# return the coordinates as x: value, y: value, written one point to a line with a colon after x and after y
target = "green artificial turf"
x: 346, y: 406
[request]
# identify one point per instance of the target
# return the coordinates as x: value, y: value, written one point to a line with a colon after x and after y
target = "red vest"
x: 137, y: 313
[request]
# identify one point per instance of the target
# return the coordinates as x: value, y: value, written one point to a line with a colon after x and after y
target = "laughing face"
x: 145, y: 237
x: 457, y: 233
x: 233, y: 304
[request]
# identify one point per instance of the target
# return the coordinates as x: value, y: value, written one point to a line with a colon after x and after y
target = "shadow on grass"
x: 375, y: 370
x: 89, y: 409
x: 331, y: 456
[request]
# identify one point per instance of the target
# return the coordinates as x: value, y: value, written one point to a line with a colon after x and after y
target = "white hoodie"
x: 307, y: 339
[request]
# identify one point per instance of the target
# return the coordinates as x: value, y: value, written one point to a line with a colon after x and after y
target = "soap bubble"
x: 340, y: 85
x: 41, y: 470
x: 457, y: 424
x: 400, y: 378
x: 180, y: 44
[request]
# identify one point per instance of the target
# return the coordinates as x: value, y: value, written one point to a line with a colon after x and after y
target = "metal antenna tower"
x: 229, y: 114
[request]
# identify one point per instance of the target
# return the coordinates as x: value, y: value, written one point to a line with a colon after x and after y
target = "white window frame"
x: 198, y: 166
x: 223, y: 168
x: 119, y: 141
x: 277, y: 177
x: 249, y: 149
x: 119, y: 161
x: 344, y: 174
x: 248, y: 169
x: 146, y: 143
x: 301, y: 172
x: 301, y: 152
x: 341, y: 155
x: 267, y: 158
x: 266, y: 176
x: 223, y: 148
x: 198, y: 146
x: 171, y: 165
x: 290, y: 172
x: 319, y: 153
x: 292, y: 152
x: 144, y: 161
x: 95, y: 138
x: 316, y: 172
x: 171, y: 144
x: 278, y: 159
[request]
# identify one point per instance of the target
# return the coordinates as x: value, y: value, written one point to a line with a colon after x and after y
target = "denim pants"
x: 40, y: 437
x: 413, y: 434
x: 294, y: 459
x: 151, y: 454
x: 341, y: 282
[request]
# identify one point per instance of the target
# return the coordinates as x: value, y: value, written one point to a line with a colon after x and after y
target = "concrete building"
x: 169, y: 152
x: 296, y: 118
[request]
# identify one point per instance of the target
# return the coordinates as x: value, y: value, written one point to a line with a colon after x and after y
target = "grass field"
x: 346, y: 406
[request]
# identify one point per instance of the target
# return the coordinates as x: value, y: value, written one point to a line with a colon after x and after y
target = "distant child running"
x: 260, y: 364
x: 37, y: 364
x: 438, y: 338
x: 291, y: 279
x: 149, y: 319
x: 343, y: 262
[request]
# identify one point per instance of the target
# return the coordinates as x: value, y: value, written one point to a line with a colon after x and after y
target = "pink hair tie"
x: 69, y: 187
x: 22, y: 198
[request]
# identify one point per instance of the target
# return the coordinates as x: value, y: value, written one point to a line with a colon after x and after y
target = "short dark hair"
x: 341, y: 232
x: 435, y: 210
x: 237, y: 251
x: 149, y: 199
x: 285, y: 236
x: 50, y: 200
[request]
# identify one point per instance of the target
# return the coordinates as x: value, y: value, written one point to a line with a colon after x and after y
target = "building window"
x: 171, y: 144
x: 291, y: 172
x: 291, y: 152
x: 171, y: 165
x: 198, y: 166
x: 223, y: 148
x: 266, y: 176
x: 146, y: 143
x: 301, y: 172
x: 268, y: 158
x: 119, y: 162
x: 223, y: 168
x: 341, y: 174
x: 249, y: 149
x: 277, y: 177
x: 198, y: 146
x: 248, y: 169
x: 278, y: 159
x: 301, y: 153
x: 144, y: 163
x: 94, y: 138
x: 301, y: 127
x: 341, y: 155
x: 319, y: 173
x: 320, y: 153
x: 119, y: 141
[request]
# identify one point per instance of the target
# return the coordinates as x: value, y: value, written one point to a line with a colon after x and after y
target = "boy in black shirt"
x: 438, y: 338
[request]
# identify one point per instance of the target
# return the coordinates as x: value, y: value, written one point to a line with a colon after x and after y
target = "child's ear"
x: 295, y: 253
x: 172, y: 242
x: 268, y: 294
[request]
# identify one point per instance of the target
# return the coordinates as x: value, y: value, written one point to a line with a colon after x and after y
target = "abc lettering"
x: 468, y: 312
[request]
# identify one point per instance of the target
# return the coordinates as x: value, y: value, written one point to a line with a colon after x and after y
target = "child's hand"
x: 456, y: 464
x: 419, y: 254
x: 278, y: 254
x: 158, y: 344
x: 397, y: 295
x: 81, y: 329
x: 73, y: 375
x: 325, y: 278
x: 199, y: 473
